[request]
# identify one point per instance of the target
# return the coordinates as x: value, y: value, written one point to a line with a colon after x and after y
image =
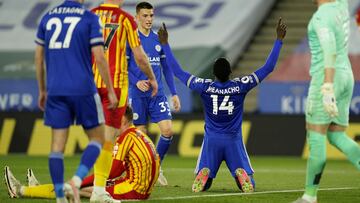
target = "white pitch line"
x: 267, y: 170
x: 242, y: 194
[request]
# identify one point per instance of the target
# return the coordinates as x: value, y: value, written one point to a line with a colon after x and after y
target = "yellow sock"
x: 39, y: 191
x: 102, y: 166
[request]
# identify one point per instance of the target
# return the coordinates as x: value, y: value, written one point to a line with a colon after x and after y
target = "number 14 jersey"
x: 223, y: 102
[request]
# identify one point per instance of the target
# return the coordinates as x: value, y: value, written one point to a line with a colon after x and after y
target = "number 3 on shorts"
x: 164, y: 106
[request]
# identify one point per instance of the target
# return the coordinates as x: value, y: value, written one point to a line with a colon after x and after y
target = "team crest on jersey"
x: 158, y: 48
x: 135, y: 116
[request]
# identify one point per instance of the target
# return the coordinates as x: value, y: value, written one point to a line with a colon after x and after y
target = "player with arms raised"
x: 223, y: 103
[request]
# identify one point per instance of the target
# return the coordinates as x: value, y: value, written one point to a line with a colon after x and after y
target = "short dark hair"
x: 222, y: 69
x: 143, y: 5
x: 129, y: 113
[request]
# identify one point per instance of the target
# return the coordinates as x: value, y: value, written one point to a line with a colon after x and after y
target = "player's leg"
x: 336, y: 133
x: 163, y: 145
x: 31, y: 179
x: 238, y: 162
x: 16, y: 190
x: 317, y: 121
x: 345, y: 144
x: 165, y: 137
x: 56, y: 162
x: 90, y: 115
x: 212, y: 154
x: 160, y: 113
x: 59, y: 116
x: 202, y: 181
x: 112, y: 124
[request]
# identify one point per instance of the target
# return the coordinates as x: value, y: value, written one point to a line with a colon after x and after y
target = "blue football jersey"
x: 155, y: 55
x: 223, y: 102
x: 67, y: 33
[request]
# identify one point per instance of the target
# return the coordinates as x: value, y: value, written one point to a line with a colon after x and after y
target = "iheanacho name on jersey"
x: 230, y: 90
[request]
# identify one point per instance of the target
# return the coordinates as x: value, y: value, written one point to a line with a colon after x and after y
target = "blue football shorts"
x: 63, y: 111
x: 157, y: 108
x: 217, y: 147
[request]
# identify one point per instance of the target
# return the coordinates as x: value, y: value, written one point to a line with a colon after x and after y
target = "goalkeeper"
x: 330, y: 91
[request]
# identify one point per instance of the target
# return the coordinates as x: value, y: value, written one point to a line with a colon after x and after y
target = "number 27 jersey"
x: 67, y: 33
x: 223, y: 102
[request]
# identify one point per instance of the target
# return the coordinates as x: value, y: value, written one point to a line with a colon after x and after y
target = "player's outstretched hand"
x: 163, y: 34
x: 281, y: 29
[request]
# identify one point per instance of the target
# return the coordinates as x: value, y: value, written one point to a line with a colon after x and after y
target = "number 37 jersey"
x: 223, y: 102
x: 119, y: 29
x: 67, y: 33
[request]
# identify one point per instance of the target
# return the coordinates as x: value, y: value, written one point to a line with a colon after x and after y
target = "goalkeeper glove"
x: 329, y: 100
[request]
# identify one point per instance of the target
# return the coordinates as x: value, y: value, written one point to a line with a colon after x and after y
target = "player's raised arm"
x: 170, y: 59
x: 270, y: 63
x: 169, y: 78
x: 168, y: 74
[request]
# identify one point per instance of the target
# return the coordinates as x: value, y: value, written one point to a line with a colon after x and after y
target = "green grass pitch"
x: 278, y: 179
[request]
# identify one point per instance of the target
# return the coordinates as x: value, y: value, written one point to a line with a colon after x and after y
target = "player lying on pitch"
x: 132, y: 148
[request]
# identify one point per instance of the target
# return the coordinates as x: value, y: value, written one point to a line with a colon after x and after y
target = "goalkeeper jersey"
x: 328, y: 33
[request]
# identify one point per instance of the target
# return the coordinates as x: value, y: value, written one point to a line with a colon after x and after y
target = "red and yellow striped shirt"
x: 142, y: 162
x: 119, y: 29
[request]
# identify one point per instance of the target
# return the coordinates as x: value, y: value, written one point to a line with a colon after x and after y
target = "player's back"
x: 330, y: 18
x: 154, y: 52
x: 67, y: 33
x: 223, y: 103
x: 119, y: 27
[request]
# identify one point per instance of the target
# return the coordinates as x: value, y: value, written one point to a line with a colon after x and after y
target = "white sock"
x: 309, y: 198
x: 77, y: 180
x: 99, y: 189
